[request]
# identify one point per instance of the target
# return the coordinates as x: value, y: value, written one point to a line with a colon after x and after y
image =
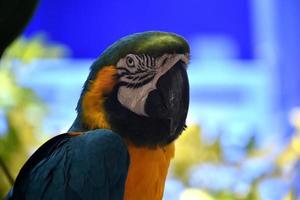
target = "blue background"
x: 88, y: 27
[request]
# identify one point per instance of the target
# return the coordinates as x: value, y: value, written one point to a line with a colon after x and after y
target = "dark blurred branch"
x: 14, y: 16
x: 6, y: 172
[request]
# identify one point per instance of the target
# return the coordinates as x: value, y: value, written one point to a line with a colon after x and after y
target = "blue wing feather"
x: 93, y: 165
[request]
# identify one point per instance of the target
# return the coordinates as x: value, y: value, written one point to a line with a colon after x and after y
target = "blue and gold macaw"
x: 132, y: 107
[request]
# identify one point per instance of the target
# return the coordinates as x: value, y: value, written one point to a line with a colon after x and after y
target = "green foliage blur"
x: 21, y: 111
x: 192, y: 151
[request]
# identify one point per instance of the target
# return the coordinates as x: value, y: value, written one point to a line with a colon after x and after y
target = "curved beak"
x: 170, y: 101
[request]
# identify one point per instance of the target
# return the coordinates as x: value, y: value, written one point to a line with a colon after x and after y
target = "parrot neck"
x: 91, y: 112
x: 78, y: 126
x: 147, y: 172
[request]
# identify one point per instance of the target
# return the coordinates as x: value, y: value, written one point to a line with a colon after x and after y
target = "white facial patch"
x: 139, y: 75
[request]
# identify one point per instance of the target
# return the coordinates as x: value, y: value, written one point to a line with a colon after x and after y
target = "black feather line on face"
x: 130, y: 77
x: 145, y: 76
x: 125, y: 70
x: 139, y: 84
x: 136, y: 78
x: 140, y: 60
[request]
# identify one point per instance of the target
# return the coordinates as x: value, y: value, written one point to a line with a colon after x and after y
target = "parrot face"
x: 147, y: 88
x: 148, y: 99
x: 139, y: 75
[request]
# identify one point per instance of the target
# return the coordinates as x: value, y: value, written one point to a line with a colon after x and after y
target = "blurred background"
x: 243, y: 136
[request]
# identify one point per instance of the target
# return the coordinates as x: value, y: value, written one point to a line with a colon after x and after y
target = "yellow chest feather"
x: 147, y: 172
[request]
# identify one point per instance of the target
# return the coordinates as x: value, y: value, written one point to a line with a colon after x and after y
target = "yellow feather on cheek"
x: 92, y: 104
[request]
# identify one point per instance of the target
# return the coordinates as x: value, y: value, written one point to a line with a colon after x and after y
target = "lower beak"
x: 170, y: 101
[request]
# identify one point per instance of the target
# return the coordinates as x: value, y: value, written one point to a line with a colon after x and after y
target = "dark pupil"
x: 130, y: 62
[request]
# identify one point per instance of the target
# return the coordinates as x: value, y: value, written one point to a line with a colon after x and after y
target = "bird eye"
x: 130, y: 61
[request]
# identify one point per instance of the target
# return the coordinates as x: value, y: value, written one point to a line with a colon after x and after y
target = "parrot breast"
x: 147, y: 172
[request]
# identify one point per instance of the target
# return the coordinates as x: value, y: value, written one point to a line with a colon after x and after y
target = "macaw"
x: 133, y: 106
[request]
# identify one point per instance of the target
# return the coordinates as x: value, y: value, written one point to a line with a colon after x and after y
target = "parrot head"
x: 138, y: 88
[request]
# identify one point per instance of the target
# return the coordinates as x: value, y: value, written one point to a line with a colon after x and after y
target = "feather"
x: 92, y: 165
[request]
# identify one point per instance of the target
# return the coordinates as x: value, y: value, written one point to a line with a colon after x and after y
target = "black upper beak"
x: 170, y: 101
